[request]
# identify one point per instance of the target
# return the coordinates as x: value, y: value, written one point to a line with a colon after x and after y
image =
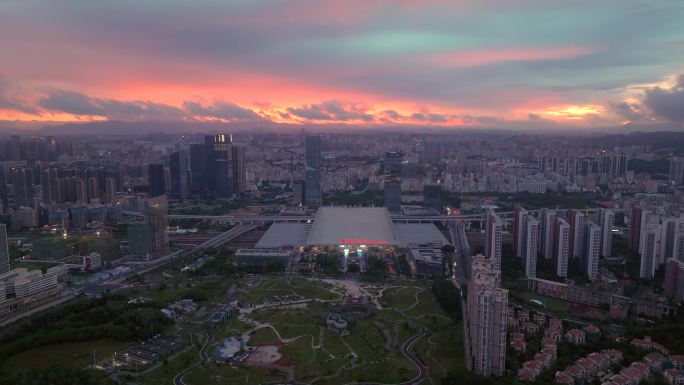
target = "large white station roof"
x: 355, y: 225
x: 414, y: 233
x: 284, y: 235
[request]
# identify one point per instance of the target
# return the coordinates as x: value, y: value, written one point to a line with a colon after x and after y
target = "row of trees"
x: 81, y: 321
x: 55, y: 376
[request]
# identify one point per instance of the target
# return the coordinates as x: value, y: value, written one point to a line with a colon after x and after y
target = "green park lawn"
x: 282, y: 286
x: 401, y: 297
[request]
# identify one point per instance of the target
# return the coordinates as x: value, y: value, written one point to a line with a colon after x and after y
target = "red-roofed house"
x: 620, y: 379
x: 647, y: 344
x: 526, y: 375
x: 575, y: 336
x: 593, y: 332
x: 601, y: 360
x: 512, y: 323
x: 615, y: 356
x: 574, y: 371
x: 530, y: 328
x: 555, y: 333
x: 677, y: 361
x: 523, y: 315
x: 655, y: 361
x: 519, y: 345
x: 674, y: 377
x: 564, y: 378
x: 588, y: 366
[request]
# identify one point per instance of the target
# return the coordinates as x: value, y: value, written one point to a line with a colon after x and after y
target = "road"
x: 204, y: 357
x: 422, y: 369
x: 65, y: 297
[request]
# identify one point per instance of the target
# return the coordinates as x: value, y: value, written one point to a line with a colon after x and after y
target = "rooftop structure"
x: 352, y: 225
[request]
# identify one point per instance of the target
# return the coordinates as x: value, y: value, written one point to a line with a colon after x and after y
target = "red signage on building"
x: 363, y: 241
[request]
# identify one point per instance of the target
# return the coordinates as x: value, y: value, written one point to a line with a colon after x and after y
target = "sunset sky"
x: 489, y: 63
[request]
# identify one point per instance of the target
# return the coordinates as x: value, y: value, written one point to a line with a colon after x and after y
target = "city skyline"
x: 401, y: 64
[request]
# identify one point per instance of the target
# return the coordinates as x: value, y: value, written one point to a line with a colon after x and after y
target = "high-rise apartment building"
x: 393, y: 181
x: 530, y: 246
x: 561, y: 247
x: 578, y: 223
x: 677, y: 170
x: 493, y: 238
x: 677, y: 241
x: 23, y: 187
x: 546, y: 230
x: 649, y: 250
x: 487, y: 319
x: 674, y: 279
x: 606, y: 219
x: 571, y: 216
x: 592, y: 250
x: 312, y: 171
x: 635, y: 223
x: 519, y: 217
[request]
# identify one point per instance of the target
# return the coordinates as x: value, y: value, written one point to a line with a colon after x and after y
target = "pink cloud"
x: 474, y: 58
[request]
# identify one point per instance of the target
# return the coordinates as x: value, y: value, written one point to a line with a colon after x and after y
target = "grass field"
x: 400, y: 298
x: 281, y: 286
x: 263, y: 336
x: 223, y: 374
x: 71, y: 355
x: 164, y: 375
x: 369, y: 352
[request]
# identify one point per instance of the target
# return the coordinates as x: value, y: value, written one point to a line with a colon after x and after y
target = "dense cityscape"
x: 286, y: 257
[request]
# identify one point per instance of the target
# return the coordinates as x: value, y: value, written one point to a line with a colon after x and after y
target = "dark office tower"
x: 432, y: 196
x: 221, y: 169
x: 167, y: 180
x: 209, y: 166
x: 3, y: 189
x: 393, y: 181
x: 239, y: 169
x: 14, y: 150
x: 45, y: 185
x: 312, y: 171
x: 4, y: 250
x: 198, y: 169
x: 81, y: 190
x: 178, y: 165
x: 155, y: 175
x: 110, y: 190
x: 117, y: 176
x: 92, y: 188
x: 23, y: 187
x: 155, y: 215
x: 298, y: 192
